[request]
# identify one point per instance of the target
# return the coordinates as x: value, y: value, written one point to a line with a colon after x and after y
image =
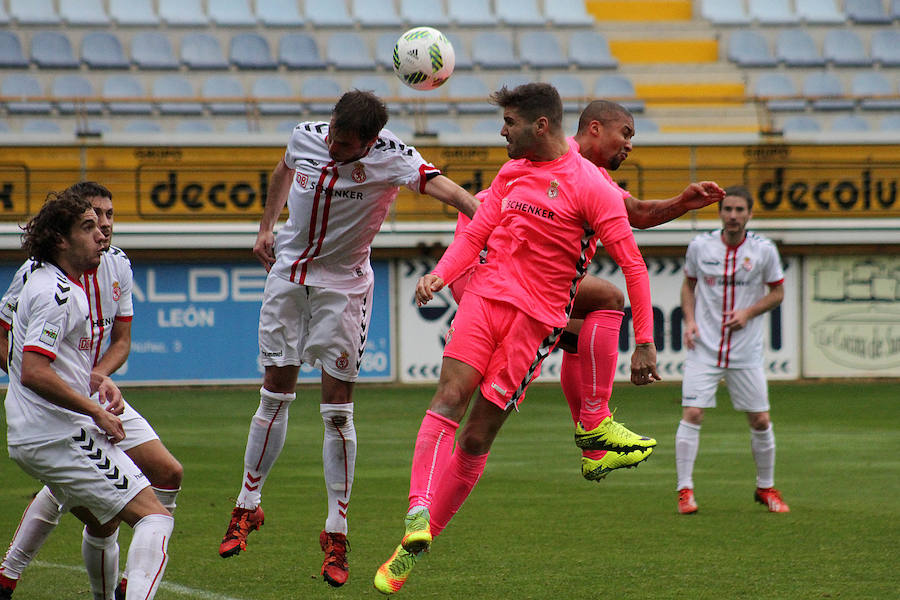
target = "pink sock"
x: 462, y: 474
x: 598, y: 346
x: 570, y: 378
x: 434, y: 445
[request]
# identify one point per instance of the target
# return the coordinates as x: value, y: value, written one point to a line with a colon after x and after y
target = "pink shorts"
x: 502, y: 343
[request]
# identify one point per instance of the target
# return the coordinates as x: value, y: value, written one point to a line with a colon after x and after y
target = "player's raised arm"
x: 650, y: 213
x: 447, y: 191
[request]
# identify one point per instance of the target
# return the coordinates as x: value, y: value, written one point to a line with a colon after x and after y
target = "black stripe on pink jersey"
x: 313, y: 218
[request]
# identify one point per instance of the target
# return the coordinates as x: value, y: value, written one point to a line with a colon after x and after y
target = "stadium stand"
x: 52, y: 50
x: 867, y: 12
x: 152, y: 50
x: 796, y: 48
x: 41, y: 126
x: 873, y: 90
x: 493, y: 51
x: 133, y: 13
x: 299, y: 51
x: 471, y: 13
x: 380, y: 85
x: 724, y: 12
x: 73, y: 86
x: 848, y: 123
x: 375, y: 13
x: 274, y: 86
x: 183, y: 13
x: 819, y: 12
x: 4, y: 20
x: 83, y: 12
x: 465, y: 90
x: 519, y: 13
x: 384, y: 50
x: 142, y: 126
x: 168, y: 87
x: 320, y: 86
x: 231, y: 13
x: 200, y: 51
x: 250, y: 51
x: 328, y: 13
x: 844, y: 48
x: 416, y: 12
x: 22, y: 86
x: 779, y: 92
x: 103, y: 50
x: 772, y: 12
x: 461, y: 50
x: 11, y: 55
x: 886, y: 47
x: 800, y: 124
x: 619, y: 88
x: 571, y: 90
x: 223, y: 86
x: 890, y: 123
x: 748, y: 48
x: 541, y: 50
x: 278, y: 13
x: 348, y: 50
x: 417, y: 102
x: 567, y: 13
x: 119, y: 89
x: 826, y: 92
x: 34, y: 12
x: 194, y: 126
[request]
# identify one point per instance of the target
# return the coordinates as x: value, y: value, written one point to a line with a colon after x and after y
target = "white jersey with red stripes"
x: 730, y: 278
x: 335, y: 209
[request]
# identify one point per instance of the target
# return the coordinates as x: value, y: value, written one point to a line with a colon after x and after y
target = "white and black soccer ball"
x: 423, y: 58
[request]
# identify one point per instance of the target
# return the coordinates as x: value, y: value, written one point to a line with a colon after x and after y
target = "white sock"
x: 39, y: 519
x: 264, y: 443
x: 148, y: 555
x: 101, y: 559
x: 687, y: 443
x: 338, y: 462
x: 762, y: 444
x: 166, y: 497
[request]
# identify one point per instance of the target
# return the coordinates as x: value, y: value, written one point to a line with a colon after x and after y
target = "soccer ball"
x: 423, y: 58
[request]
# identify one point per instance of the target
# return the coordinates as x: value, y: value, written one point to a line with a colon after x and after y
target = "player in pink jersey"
x: 732, y: 277
x: 540, y: 221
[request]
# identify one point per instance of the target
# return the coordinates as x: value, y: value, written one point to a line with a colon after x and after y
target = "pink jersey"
x: 539, y: 222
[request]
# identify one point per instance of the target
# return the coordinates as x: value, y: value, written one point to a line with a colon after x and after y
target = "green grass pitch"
x: 533, y: 528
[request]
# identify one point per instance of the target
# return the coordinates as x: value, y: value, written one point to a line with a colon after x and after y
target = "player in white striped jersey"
x: 108, y: 289
x: 732, y: 277
x: 57, y: 432
x: 338, y: 180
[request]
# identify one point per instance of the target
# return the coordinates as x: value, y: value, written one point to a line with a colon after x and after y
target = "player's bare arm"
x: 447, y: 191
x: 650, y: 213
x: 117, y: 352
x: 426, y: 287
x: 687, y: 310
x: 276, y: 198
x: 737, y: 319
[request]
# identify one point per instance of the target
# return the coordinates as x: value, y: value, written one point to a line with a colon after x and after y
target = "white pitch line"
x: 168, y: 586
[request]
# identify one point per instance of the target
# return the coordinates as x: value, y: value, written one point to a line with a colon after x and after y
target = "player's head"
x: 356, y: 120
x: 604, y: 133
x: 530, y: 112
x: 65, y: 230
x: 101, y: 199
x: 736, y: 208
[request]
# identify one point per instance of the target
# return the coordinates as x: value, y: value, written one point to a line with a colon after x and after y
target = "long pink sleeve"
x: 627, y: 255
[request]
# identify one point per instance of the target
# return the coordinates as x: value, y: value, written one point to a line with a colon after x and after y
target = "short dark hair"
x: 532, y: 101
x: 741, y: 192
x: 362, y: 113
x: 89, y: 189
x: 603, y: 111
x: 54, y: 222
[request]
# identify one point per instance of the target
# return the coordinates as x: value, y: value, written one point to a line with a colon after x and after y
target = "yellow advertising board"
x: 192, y: 183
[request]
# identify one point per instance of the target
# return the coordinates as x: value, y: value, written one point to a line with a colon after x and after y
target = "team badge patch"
x: 84, y: 343
x: 302, y: 179
x: 49, y: 334
x: 553, y: 190
x: 117, y: 291
x: 359, y: 173
x: 747, y: 265
x: 343, y: 361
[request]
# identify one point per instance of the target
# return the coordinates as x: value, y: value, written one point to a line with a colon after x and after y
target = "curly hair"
x: 53, y: 223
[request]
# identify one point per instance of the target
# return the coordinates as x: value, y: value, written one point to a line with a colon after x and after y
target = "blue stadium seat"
x: 4, y: 127
x: 772, y: 12
x: 488, y: 126
x: 618, y: 88
x: 251, y: 51
x: 461, y: 50
x: 874, y: 91
x: 11, y: 56
x: 380, y: 85
x: 541, y: 50
x: 103, y: 50
x: 384, y: 50
x: 239, y: 126
x: 83, y: 12
x: 401, y: 129
x: 779, y: 92
x: 895, y: 10
x: 645, y: 125
x: 570, y: 86
x: 886, y: 47
x: 826, y: 92
x: 513, y: 79
x: 286, y: 127
x: 375, y: 13
x: 4, y: 20
x: 328, y: 13
x: 443, y: 126
x: 819, y: 12
x: 125, y: 87
x: 493, y: 51
x: 278, y: 13
x: 183, y: 13
x: 274, y: 86
x: 194, y: 126
x: 134, y: 13
x: 224, y: 86
x: 92, y: 128
x: 429, y: 103
x: 320, y: 86
x: 74, y: 86
x: 22, y: 85
x: 299, y: 51
x: 724, y: 12
x: 171, y: 87
x: 801, y: 124
x: 519, y: 13
x: 33, y: 12
x: 230, y: 13
x: 889, y: 123
x: 590, y: 50
x: 867, y: 12
x: 416, y: 12
x: 849, y: 123
x: 349, y: 50
x: 152, y: 50
x: 471, y: 13
x: 41, y: 126
x: 843, y: 48
x: 567, y: 13
x: 142, y: 126
x: 749, y: 49
x: 796, y: 48
x: 52, y: 50
x: 202, y: 51
x: 469, y: 94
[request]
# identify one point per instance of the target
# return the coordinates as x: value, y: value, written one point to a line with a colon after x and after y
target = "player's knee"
x: 166, y: 474
x: 759, y: 421
x: 613, y: 300
x: 693, y: 415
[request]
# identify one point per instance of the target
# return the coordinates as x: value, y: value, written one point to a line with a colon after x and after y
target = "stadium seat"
x: 541, y: 50
x: 230, y: 13
x: 886, y: 47
x: 488, y: 126
x: 4, y: 127
x: 125, y: 87
x: 471, y: 13
x: 175, y: 86
x: 375, y: 13
x: 33, y: 12
x: 348, y: 50
x: 299, y: 51
x: 278, y: 13
x: 571, y: 87
x: 889, y: 123
x: 618, y: 88
x: 380, y: 85
x: 384, y: 50
x: 895, y: 10
x: 224, y: 86
x: 513, y: 80
x: 41, y: 126
x: 239, y: 126
x: 826, y: 92
x: 23, y: 85
x: 867, y: 12
x: 469, y: 94
x: 819, y: 12
x: 74, y: 86
x: 142, y: 126
x: 250, y: 51
x: 4, y: 20
x: 401, y: 129
x: 202, y: 51
x: 519, y: 13
x: 152, y: 50
x: 52, y: 50
x: 724, y: 12
x: 796, y: 48
x: 274, y: 86
x: 136, y: 13
x: 328, y: 13
x: 567, y: 13
x: 772, y: 12
x: 800, y: 124
x: 779, y: 92
x: 416, y: 12
x: 493, y: 51
x: 849, y: 123
x: 320, y: 86
x: 286, y: 126
x: 103, y: 50
x: 443, y: 126
x: 83, y: 12
x: 194, y: 126
x: 590, y: 50
x: 183, y: 13
x: 643, y: 125
x: 843, y: 48
x: 749, y: 49
x: 874, y: 91
x: 430, y: 102
x: 11, y: 55
x: 461, y: 50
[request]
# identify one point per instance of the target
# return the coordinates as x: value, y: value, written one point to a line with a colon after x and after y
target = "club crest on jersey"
x: 359, y: 173
x: 553, y: 190
x: 117, y: 291
x: 84, y: 343
x: 343, y: 361
x: 747, y: 265
x: 302, y: 179
x: 49, y: 334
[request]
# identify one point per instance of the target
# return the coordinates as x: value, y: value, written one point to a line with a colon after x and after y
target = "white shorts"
x: 324, y: 327
x: 137, y: 430
x: 747, y: 387
x: 84, y: 469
